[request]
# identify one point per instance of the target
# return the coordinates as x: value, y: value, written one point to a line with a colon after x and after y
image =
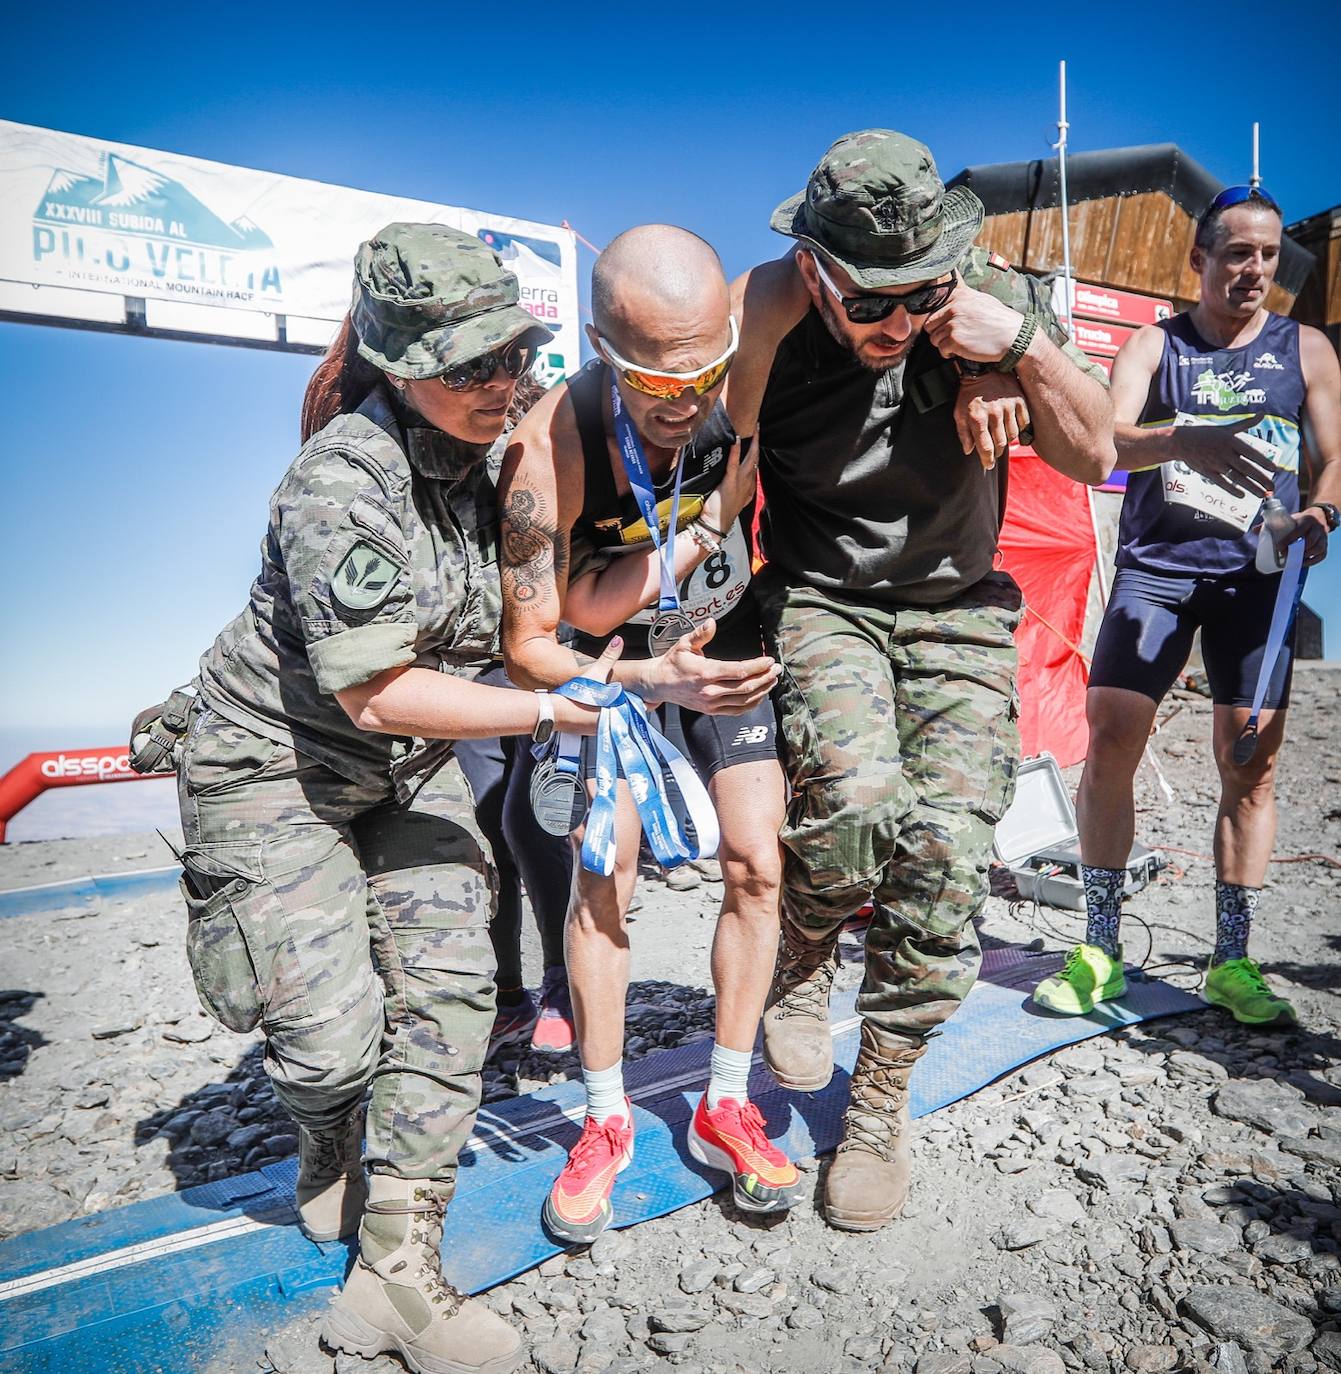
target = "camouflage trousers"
x: 353, y: 928
x: 902, y: 746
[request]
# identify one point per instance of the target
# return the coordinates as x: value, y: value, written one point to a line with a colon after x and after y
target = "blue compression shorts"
x: 1151, y: 618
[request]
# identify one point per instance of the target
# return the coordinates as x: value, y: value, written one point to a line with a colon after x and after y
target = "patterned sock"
x: 1235, y: 907
x: 730, y: 1075
x: 605, y: 1091
x: 1103, y: 906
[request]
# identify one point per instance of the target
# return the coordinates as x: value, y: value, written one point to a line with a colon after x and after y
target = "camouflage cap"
x: 427, y: 297
x: 876, y: 205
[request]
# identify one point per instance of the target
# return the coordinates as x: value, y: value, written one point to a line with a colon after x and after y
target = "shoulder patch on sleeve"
x: 364, y: 578
x: 998, y: 262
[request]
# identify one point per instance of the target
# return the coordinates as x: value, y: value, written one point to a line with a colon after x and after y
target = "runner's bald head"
x: 658, y: 294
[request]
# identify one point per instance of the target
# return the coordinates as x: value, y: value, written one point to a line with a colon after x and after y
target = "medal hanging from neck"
x: 670, y: 624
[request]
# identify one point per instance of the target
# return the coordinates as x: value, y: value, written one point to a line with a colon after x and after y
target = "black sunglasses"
x: 515, y: 359
x: 922, y: 300
x: 1240, y: 195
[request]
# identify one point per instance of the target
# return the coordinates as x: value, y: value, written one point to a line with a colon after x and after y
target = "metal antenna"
x: 1062, y: 128
x: 1256, y: 179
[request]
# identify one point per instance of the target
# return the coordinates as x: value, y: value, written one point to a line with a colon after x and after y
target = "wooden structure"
x: 1132, y: 217
x: 1319, y: 302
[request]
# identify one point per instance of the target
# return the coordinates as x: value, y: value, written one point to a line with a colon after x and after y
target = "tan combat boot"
x: 868, y: 1180
x: 331, y: 1190
x: 397, y: 1301
x: 798, y: 1045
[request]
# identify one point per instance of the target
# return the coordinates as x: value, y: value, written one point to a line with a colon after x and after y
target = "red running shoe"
x: 554, y: 1031
x: 732, y: 1139
x: 578, y: 1207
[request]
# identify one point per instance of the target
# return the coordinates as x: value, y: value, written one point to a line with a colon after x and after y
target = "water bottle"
x: 1277, y: 523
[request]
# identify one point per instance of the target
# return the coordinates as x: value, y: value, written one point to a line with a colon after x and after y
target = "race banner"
x: 112, y: 236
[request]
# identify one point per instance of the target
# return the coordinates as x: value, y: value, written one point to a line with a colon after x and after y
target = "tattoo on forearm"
x: 533, y: 549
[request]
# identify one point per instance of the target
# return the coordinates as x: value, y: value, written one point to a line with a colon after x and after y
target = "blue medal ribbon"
x: 628, y: 743
x: 1289, y: 591
x: 644, y: 493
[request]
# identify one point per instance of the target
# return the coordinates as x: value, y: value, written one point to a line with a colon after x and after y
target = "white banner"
x: 224, y: 251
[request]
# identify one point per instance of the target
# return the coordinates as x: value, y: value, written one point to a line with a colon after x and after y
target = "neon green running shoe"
x: 1238, y: 986
x: 1089, y: 975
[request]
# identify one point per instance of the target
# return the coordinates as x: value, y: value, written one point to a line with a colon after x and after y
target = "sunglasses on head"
x: 1240, y: 195
x: 515, y: 359
x: 922, y: 300
x: 670, y: 386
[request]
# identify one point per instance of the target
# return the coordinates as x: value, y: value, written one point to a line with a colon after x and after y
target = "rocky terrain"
x: 1164, y: 1198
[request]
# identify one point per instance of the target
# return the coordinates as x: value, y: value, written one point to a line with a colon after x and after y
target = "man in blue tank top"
x: 1213, y: 410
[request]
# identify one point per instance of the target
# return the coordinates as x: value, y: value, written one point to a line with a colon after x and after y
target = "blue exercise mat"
x: 164, y: 1285
x: 25, y: 901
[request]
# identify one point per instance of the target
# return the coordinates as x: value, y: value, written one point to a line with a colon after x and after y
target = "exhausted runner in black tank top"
x: 720, y: 587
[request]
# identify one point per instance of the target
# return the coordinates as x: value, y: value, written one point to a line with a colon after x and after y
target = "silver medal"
x: 541, y: 772
x: 668, y: 628
x: 559, y: 803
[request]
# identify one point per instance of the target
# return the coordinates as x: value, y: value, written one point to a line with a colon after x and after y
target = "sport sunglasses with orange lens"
x: 670, y: 386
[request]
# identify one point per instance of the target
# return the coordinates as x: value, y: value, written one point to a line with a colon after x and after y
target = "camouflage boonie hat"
x: 876, y: 205
x: 427, y: 297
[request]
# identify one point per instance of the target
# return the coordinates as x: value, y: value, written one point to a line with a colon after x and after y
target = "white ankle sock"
x: 730, y: 1075
x: 605, y: 1092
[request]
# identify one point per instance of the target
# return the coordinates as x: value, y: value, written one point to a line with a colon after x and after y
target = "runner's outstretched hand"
x: 717, y: 687
x: 1222, y: 455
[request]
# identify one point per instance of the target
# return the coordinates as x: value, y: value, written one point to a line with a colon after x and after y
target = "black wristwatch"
x: 1330, y: 514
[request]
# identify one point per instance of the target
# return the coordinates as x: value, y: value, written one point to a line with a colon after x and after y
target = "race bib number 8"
x: 716, y: 586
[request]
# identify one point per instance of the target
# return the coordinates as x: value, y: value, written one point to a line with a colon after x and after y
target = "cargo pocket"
x: 221, y: 962
x: 800, y: 738
x: 220, y: 757
x: 242, y: 953
x: 1004, y: 764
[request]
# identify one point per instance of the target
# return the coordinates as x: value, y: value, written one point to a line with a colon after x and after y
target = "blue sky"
x: 137, y: 472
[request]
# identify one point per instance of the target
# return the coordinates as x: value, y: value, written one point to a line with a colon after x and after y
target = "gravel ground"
x: 1164, y: 1198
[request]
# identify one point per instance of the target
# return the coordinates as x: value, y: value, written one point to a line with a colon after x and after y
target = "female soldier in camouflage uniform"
x: 336, y: 897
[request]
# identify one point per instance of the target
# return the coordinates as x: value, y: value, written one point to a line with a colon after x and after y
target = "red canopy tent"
x: 1048, y: 547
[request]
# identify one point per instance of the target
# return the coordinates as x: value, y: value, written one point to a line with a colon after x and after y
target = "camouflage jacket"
x: 382, y: 552
x: 867, y: 491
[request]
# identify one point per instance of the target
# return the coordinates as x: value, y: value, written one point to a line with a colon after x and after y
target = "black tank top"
x: 720, y: 586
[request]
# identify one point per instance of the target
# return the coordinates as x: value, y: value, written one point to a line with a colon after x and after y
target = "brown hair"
x: 341, y: 383
x: 528, y: 392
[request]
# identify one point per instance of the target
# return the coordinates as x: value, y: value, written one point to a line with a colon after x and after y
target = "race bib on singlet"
x: 716, y: 586
x: 1185, y: 487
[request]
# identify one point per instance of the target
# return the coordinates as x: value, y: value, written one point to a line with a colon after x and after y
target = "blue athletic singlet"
x: 1262, y: 380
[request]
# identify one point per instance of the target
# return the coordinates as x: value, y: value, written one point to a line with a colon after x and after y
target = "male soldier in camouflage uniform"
x: 308, y: 842
x: 879, y: 599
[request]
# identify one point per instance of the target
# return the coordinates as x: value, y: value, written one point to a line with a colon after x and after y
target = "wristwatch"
x: 544, y: 725
x: 1330, y: 514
